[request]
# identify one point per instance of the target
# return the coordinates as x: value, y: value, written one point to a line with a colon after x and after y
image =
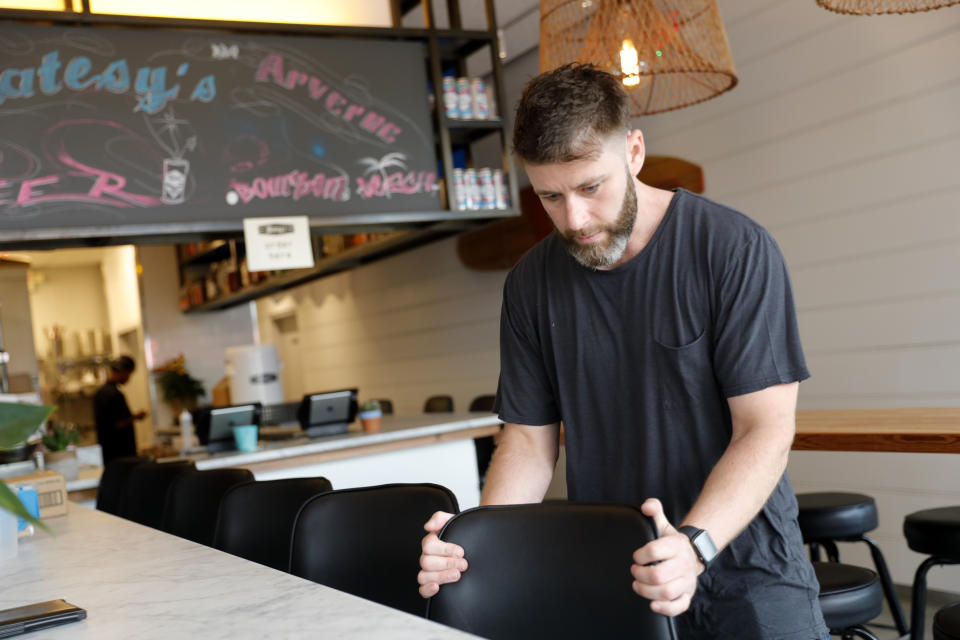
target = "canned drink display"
x: 472, y: 189
x: 451, y: 102
x: 500, y: 186
x: 478, y: 94
x: 465, y: 100
x: 459, y: 190
x: 488, y: 192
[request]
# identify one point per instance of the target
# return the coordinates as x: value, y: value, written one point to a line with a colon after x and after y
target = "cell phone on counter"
x: 42, y: 615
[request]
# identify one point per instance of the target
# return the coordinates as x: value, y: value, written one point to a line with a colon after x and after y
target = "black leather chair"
x: 946, y: 623
x: 850, y: 597
x: 829, y: 517
x: 438, y: 404
x: 113, y: 483
x: 193, y: 502
x: 147, y: 487
x: 366, y: 541
x: 256, y: 518
x: 550, y: 571
x: 934, y: 533
x: 484, y: 445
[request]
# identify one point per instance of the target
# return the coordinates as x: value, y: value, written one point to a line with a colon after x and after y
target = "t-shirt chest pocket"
x: 685, y: 372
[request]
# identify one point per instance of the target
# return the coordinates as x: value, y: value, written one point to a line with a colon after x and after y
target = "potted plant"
x: 60, y: 442
x: 370, y: 415
x: 178, y: 388
x: 17, y: 423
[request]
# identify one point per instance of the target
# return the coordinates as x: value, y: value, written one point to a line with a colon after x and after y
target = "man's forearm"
x: 738, y: 487
x: 764, y: 423
x: 522, y: 465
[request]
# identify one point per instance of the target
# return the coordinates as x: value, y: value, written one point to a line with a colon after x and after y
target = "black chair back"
x: 113, y: 483
x: 366, y: 541
x: 438, y: 404
x: 147, y: 487
x: 193, y: 502
x: 482, y: 403
x: 386, y: 406
x: 256, y: 518
x: 551, y: 571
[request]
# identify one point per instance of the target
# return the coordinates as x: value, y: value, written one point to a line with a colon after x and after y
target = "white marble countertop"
x: 393, y: 428
x: 137, y: 582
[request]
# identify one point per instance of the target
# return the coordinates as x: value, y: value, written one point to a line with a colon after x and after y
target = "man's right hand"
x: 441, y: 562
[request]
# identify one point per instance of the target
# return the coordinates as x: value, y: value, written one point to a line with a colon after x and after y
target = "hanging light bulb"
x: 629, y: 63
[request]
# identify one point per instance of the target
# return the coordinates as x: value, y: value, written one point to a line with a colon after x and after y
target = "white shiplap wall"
x: 413, y: 325
x: 841, y: 139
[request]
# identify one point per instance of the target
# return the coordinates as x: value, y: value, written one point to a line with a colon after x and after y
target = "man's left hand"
x: 671, y: 582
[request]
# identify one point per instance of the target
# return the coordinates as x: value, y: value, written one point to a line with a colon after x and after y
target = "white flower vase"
x: 63, y: 462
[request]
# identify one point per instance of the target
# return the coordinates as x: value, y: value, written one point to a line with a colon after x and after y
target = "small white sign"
x: 278, y: 243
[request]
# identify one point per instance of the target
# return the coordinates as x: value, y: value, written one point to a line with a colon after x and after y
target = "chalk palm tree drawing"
x: 391, y: 160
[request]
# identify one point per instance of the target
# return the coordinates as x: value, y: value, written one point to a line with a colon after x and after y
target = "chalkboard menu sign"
x: 109, y: 127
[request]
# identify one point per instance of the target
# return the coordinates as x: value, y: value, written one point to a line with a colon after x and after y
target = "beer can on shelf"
x: 472, y: 189
x: 459, y: 190
x: 465, y: 100
x: 488, y: 193
x: 478, y: 95
x: 500, y: 187
x: 450, y: 100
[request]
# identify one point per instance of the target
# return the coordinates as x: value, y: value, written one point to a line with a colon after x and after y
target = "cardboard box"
x: 51, y: 491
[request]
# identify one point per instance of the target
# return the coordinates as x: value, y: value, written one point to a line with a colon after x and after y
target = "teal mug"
x: 246, y: 437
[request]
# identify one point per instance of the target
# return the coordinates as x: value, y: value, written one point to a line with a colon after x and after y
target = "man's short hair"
x: 565, y: 114
x: 123, y: 363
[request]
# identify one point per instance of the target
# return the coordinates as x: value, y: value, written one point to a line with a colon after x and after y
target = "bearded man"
x: 660, y: 328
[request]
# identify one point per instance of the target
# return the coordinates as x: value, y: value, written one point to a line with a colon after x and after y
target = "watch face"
x: 702, y: 543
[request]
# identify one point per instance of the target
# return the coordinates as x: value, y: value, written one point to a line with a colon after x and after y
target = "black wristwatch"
x: 702, y: 544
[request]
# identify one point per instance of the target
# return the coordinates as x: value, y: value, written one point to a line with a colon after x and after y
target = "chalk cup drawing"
x: 175, y: 172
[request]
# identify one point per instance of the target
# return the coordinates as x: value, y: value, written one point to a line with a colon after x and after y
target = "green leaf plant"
x: 17, y: 423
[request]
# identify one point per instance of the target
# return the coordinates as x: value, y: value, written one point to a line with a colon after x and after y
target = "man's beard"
x: 598, y: 255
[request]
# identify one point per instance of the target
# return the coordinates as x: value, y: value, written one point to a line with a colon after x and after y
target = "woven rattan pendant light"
x: 668, y: 53
x: 877, y: 7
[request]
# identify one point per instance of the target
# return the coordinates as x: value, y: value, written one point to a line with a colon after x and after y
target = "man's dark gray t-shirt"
x: 638, y: 362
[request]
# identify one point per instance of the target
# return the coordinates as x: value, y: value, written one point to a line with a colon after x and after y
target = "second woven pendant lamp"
x: 668, y: 54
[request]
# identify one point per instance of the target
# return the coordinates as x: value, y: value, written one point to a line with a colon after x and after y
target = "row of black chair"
x: 366, y: 541
x: 851, y: 596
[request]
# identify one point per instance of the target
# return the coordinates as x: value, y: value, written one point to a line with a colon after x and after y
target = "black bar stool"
x: 936, y: 533
x: 850, y: 597
x: 831, y: 516
x: 946, y: 623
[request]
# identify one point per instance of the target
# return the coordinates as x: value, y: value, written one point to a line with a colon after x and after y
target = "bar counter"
x: 137, y: 582
x: 913, y: 430
x: 430, y: 447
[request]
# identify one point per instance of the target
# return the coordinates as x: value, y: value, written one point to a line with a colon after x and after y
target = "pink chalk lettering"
x: 109, y: 183
x: 352, y: 111
x: 335, y: 101
x: 27, y: 196
x: 398, y: 182
x: 296, y: 185
x: 389, y: 132
x: 272, y: 65
x: 271, y: 69
x: 372, y: 121
x: 317, y: 88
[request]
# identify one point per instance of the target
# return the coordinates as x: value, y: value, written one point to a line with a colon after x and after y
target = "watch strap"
x: 702, y: 543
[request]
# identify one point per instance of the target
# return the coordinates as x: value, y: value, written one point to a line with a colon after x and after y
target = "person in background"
x: 112, y: 415
x: 660, y: 328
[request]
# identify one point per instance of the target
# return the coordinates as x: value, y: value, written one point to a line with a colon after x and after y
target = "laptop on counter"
x: 327, y: 413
